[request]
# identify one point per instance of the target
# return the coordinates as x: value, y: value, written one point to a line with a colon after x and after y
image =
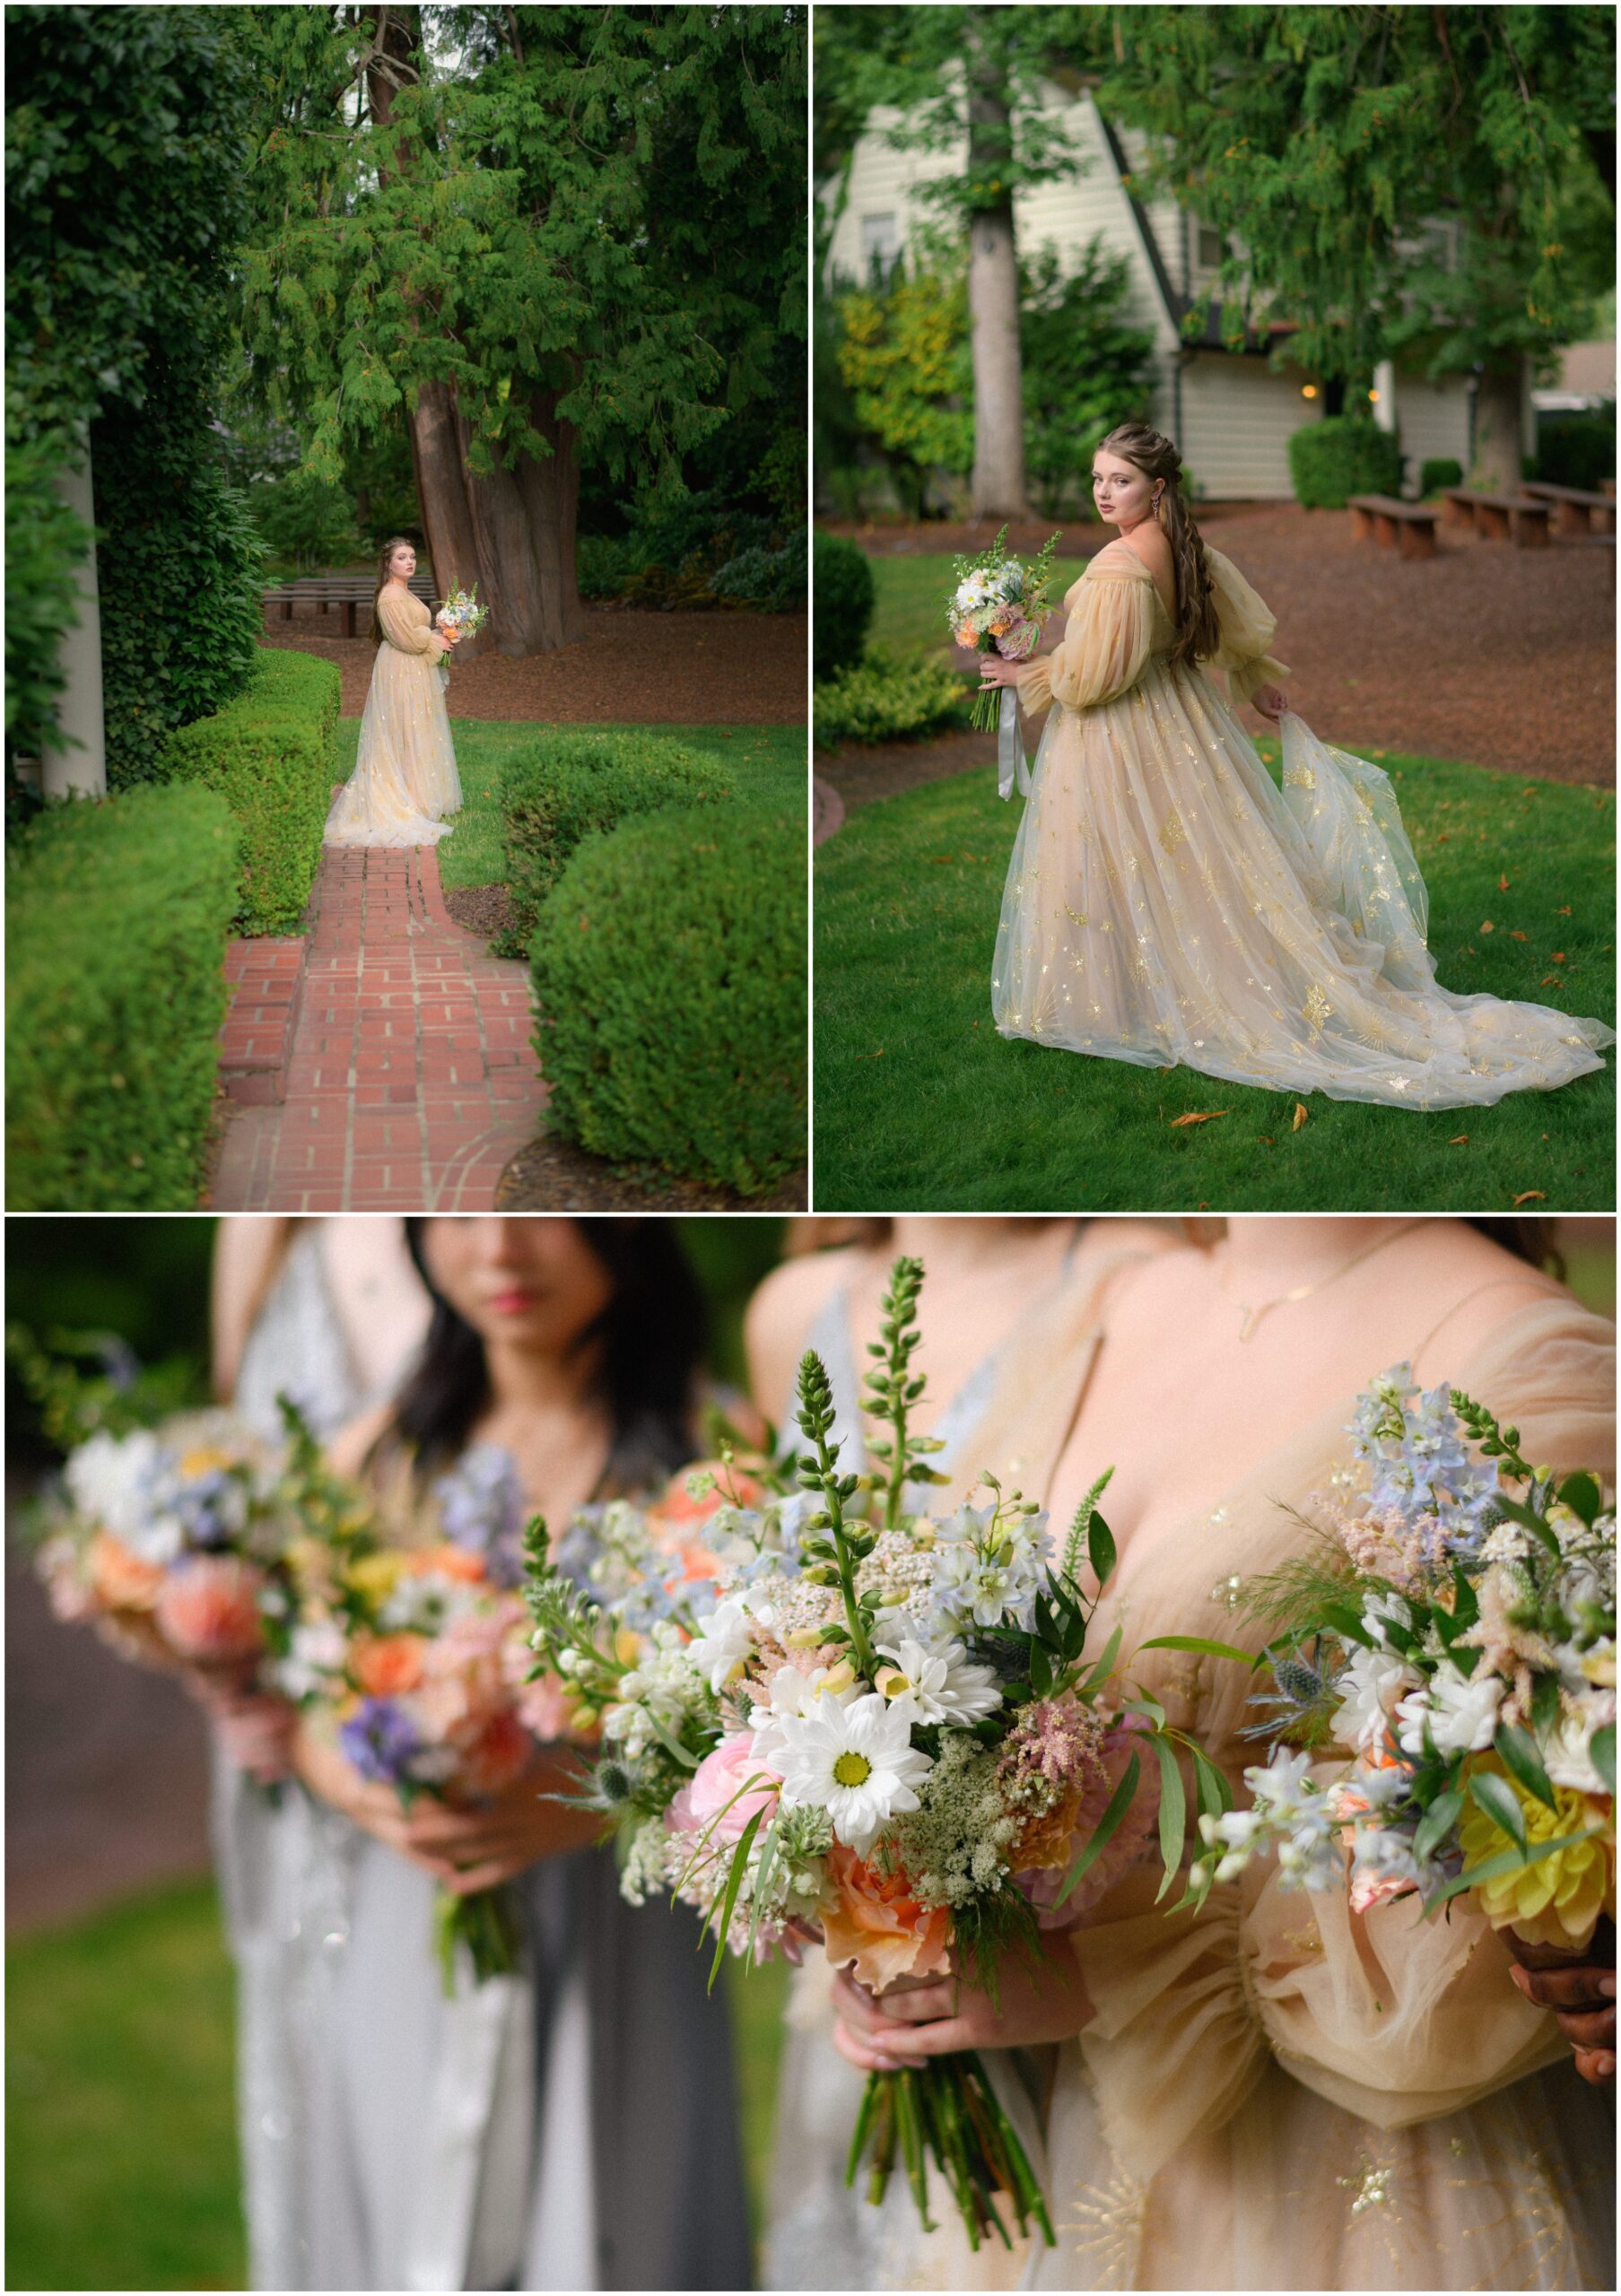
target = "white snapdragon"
x: 1460, y: 1712
x: 723, y: 1643
x: 1373, y: 1684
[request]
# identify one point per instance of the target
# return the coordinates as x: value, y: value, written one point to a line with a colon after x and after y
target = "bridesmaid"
x: 481, y: 2142
x: 1274, y: 2094
x: 404, y: 779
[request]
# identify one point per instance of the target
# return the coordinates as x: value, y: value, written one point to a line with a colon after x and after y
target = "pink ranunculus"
x: 1124, y: 1847
x: 714, y: 1798
x: 208, y: 1609
x: 499, y: 1753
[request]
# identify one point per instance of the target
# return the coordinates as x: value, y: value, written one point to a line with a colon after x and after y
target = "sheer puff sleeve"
x: 1248, y: 629
x: 402, y: 627
x: 1104, y: 646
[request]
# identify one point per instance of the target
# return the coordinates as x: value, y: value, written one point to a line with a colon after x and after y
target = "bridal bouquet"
x: 1458, y: 1644
x: 998, y: 606
x: 418, y: 1658
x: 460, y: 615
x: 879, y: 1729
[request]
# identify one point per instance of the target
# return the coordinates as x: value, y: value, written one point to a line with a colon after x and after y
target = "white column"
x: 81, y: 768
x: 1384, y: 405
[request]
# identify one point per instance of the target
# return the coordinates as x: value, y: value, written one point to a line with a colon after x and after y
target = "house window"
x: 880, y: 246
x: 1210, y: 247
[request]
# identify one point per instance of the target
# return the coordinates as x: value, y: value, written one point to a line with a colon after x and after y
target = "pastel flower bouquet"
x: 1453, y: 1647
x: 414, y: 1659
x: 460, y: 616
x: 839, y: 1716
x: 998, y: 605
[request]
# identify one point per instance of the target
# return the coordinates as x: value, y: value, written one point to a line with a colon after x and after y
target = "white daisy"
x: 943, y: 1684
x: 857, y: 1762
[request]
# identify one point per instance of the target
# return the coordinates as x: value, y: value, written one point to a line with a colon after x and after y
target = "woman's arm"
x: 248, y: 1252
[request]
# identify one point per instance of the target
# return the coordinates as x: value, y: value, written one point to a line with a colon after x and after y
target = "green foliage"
x: 904, y: 356
x: 116, y: 920
x: 771, y: 579
x: 1341, y: 456
x: 305, y: 521
x: 670, y: 970
x: 696, y: 550
x: 1085, y: 368
x: 1368, y: 127
x: 1576, y: 449
x: 570, y: 781
x: 271, y: 756
x: 889, y: 697
x: 845, y: 604
x: 1436, y: 475
x: 124, y: 179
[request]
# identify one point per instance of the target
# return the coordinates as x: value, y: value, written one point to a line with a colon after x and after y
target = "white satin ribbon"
x: 1012, y: 764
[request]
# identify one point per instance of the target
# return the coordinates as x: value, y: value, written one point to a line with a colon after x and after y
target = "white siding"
x: 1237, y: 417
x: 1433, y: 420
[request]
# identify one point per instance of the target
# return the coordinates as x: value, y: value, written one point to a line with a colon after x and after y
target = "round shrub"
x: 669, y: 967
x: 1576, y: 449
x: 1341, y: 456
x: 842, y: 606
x: 1443, y: 472
x: 889, y: 697
x: 569, y: 783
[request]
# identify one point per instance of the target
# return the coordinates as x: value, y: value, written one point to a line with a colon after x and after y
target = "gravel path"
x: 1501, y: 656
x: 629, y: 669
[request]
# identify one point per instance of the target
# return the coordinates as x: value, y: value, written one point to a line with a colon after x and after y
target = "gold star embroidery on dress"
x: 1300, y: 776
x: 1073, y: 915
x: 1172, y: 834
x: 1400, y: 1083
x: 1304, y: 1941
x: 1316, y: 1009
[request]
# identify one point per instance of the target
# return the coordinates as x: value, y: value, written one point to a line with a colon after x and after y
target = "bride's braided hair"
x: 1152, y: 453
x: 394, y: 542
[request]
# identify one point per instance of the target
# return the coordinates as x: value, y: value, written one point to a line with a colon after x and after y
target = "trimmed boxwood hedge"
x: 116, y: 918
x: 272, y: 756
x: 669, y: 966
x: 841, y: 607
x: 1341, y: 456
x: 1445, y: 470
x: 569, y: 783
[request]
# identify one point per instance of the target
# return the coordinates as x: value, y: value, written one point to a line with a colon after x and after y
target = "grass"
x: 909, y: 593
x: 122, y: 2168
x: 921, y: 1106
x: 763, y: 758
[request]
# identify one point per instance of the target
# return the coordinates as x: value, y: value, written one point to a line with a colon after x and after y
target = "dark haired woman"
x: 1165, y: 904
x: 572, y: 2126
x: 404, y: 779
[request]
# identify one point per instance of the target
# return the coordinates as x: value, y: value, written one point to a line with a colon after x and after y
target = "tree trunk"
x: 441, y: 491
x: 551, y: 491
x: 1497, y: 448
x: 993, y: 291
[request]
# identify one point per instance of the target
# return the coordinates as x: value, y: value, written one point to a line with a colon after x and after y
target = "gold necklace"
x: 1248, y: 1318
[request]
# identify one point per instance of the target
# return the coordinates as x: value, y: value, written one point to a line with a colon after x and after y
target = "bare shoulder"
x: 781, y: 1313
x: 1472, y: 1285
x: 1151, y: 544
x: 350, y: 1446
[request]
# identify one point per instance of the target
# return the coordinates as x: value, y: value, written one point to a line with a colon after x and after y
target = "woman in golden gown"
x: 1273, y: 2092
x: 1165, y: 904
x: 404, y: 779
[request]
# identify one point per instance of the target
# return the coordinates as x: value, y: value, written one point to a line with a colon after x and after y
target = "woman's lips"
x: 511, y: 1302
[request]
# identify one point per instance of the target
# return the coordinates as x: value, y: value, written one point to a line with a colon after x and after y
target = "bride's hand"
x: 1583, y: 2003
x: 255, y: 1727
x: 1271, y: 700
x: 884, y: 2033
x: 995, y: 671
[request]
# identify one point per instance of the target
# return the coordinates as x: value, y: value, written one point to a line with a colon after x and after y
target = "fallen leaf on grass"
x: 1488, y: 926
x: 1300, y: 1116
x: 1530, y: 1195
x: 1502, y: 884
x: 1556, y: 957
x: 1562, y: 912
x: 1516, y: 936
x: 1198, y: 1116
x: 1266, y: 1140
x: 1550, y: 980
x: 1459, y: 1140
x: 879, y: 1054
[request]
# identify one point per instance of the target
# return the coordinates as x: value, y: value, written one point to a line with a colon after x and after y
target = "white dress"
x: 1164, y: 904
x: 404, y: 779
x: 394, y: 2139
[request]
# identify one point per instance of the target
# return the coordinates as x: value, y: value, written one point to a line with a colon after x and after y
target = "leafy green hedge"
x: 1444, y: 471
x: 670, y: 969
x: 1575, y: 450
x: 888, y: 698
x: 843, y: 607
x: 569, y: 783
x: 1341, y: 456
x: 115, y: 919
x: 271, y: 756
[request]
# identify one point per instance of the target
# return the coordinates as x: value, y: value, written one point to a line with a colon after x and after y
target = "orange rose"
x: 120, y: 1578
x: 386, y: 1665
x: 869, y: 1920
x: 450, y: 1561
x: 208, y: 1610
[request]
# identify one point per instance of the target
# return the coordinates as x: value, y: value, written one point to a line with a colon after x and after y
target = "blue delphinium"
x: 483, y: 1508
x: 381, y: 1740
x: 1421, y: 1465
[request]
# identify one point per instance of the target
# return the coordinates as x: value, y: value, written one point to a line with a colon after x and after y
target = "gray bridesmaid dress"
x: 571, y: 2126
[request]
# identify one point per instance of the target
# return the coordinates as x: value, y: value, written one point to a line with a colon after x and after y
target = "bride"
x: 1274, y: 2092
x: 404, y: 779
x: 1165, y: 904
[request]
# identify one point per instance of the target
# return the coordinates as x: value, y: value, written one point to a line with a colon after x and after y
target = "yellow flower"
x: 376, y: 1575
x: 1557, y: 1900
x: 204, y: 1458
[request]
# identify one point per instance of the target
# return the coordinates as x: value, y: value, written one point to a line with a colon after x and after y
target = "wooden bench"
x: 347, y: 592
x: 1575, y: 510
x: 1499, y: 517
x: 1410, y: 526
x: 1608, y: 486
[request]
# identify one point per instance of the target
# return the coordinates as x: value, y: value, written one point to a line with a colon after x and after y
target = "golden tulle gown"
x: 405, y: 777
x: 1166, y: 904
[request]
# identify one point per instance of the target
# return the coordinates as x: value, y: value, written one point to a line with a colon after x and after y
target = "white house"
x: 1229, y: 412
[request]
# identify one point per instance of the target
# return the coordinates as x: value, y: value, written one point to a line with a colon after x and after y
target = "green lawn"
x: 121, y: 2154
x: 921, y: 1106
x: 909, y: 608
x: 762, y: 757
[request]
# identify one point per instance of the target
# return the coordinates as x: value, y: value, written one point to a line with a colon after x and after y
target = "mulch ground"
x: 630, y: 669
x: 1499, y: 656
x: 552, y: 1175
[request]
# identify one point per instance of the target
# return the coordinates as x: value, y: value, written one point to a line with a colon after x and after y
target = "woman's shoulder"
x: 782, y: 1312
x: 1120, y: 558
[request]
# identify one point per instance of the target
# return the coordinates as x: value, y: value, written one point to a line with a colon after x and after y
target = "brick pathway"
x: 406, y: 1080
